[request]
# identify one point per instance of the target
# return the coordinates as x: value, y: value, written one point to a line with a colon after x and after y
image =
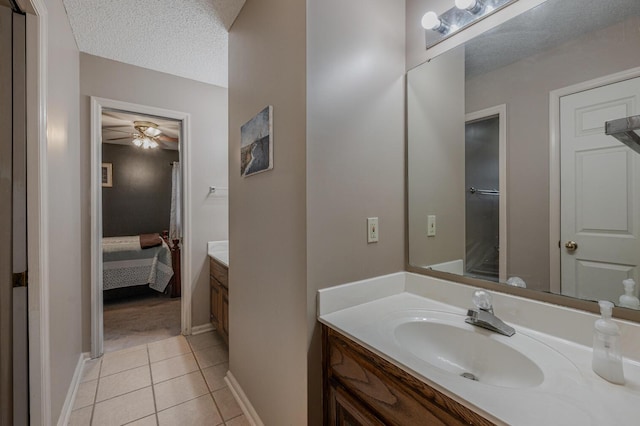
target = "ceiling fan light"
x: 152, y: 132
x: 137, y: 141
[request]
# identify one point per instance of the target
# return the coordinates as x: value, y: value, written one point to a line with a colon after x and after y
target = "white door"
x: 600, y: 193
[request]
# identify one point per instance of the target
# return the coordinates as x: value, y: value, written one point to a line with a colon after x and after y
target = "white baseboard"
x: 199, y: 329
x: 244, y: 403
x: 63, y: 420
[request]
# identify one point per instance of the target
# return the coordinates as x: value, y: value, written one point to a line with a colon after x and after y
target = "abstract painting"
x: 256, y: 145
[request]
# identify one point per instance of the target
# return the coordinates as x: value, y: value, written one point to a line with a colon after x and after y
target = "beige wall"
x: 339, y: 158
x: 65, y: 197
x: 524, y: 86
x: 436, y: 162
x: 267, y: 213
x: 207, y: 105
x: 355, y: 150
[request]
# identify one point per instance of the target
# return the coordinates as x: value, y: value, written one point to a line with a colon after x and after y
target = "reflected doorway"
x: 485, y: 195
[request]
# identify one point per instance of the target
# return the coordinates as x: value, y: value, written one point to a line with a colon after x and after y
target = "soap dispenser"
x: 607, y: 360
x: 628, y: 299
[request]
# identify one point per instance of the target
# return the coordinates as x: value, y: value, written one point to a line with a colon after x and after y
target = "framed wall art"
x: 107, y: 175
x: 256, y: 143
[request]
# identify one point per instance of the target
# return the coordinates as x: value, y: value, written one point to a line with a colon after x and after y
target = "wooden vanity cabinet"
x: 219, y: 306
x: 362, y: 389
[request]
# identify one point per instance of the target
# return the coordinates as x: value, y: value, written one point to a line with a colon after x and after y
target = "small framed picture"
x: 257, y: 143
x: 107, y: 175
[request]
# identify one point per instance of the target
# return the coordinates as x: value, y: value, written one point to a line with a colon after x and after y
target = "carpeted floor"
x: 140, y: 320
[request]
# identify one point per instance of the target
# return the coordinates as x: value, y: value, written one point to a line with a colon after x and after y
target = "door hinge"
x: 20, y: 279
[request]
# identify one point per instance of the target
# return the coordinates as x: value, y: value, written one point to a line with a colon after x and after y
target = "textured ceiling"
x: 541, y: 28
x: 187, y: 38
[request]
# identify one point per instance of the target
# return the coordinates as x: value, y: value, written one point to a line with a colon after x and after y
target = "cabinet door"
x: 346, y: 411
x: 224, y: 313
x: 215, y: 302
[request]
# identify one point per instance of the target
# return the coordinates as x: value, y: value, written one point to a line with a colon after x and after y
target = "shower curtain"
x: 175, y: 224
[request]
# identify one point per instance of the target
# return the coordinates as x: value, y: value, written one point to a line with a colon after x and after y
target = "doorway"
x: 485, y: 197
x: 599, y: 195
x: 14, y: 353
x: 139, y: 225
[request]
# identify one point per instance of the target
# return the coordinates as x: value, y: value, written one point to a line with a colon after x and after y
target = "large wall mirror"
x: 511, y: 177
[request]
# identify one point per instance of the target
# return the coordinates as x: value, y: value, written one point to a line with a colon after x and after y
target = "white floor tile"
x: 238, y: 421
x: 173, y: 367
x: 81, y: 417
x: 91, y: 369
x: 124, y: 382
x: 212, y: 356
x: 227, y: 404
x: 124, y: 409
x: 215, y: 376
x: 205, y: 340
x: 86, y: 394
x: 168, y: 348
x: 147, y: 421
x: 200, y: 411
x: 116, y: 362
x: 181, y: 389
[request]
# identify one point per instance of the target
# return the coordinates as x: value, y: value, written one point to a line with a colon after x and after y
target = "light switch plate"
x: 372, y: 230
x: 431, y: 225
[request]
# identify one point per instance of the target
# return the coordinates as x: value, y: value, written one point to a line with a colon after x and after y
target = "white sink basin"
x: 442, y: 340
x: 468, y: 353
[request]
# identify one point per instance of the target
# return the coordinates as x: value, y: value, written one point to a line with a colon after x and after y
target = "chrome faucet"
x: 483, y: 315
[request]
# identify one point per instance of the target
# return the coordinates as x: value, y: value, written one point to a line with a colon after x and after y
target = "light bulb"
x: 466, y: 4
x: 137, y: 142
x: 430, y: 21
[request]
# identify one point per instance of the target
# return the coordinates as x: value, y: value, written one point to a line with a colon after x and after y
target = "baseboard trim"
x: 65, y: 414
x: 244, y: 403
x: 199, y: 329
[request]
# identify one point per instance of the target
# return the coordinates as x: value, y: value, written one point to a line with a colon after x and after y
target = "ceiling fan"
x: 146, y: 135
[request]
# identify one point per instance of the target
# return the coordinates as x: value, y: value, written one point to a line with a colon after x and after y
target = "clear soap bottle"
x: 607, y: 359
x: 628, y: 299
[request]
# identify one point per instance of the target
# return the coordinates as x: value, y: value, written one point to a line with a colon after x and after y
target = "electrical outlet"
x: 431, y: 225
x: 372, y: 230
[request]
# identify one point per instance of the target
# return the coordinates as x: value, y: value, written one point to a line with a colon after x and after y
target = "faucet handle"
x: 482, y: 300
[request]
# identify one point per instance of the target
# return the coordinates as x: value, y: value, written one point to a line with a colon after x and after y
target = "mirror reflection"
x: 511, y: 176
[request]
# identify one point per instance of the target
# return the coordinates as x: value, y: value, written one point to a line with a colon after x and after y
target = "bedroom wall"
x: 139, y: 202
x: 207, y: 105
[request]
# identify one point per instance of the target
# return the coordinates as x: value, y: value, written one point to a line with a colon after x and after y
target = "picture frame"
x: 107, y: 175
x: 256, y: 143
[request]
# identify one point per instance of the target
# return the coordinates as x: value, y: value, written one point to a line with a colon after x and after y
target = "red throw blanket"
x: 150, y: 240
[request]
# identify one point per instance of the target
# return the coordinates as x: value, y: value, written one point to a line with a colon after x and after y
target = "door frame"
x: 554, y: 163
x: 37, y: 217
x: 97, y: 105
x: 501, y: 112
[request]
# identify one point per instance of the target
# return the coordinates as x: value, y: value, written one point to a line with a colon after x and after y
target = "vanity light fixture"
x: 464, y: 14
x: 471, y: 6
x: 431, y: 21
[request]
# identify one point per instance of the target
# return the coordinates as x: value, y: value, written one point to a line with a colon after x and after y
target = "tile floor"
x: 176, y: 381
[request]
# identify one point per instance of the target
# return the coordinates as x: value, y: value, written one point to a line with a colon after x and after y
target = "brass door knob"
x: 571, y: 245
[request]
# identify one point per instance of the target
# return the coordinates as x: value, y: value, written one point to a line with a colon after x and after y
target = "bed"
x: 127, y: 264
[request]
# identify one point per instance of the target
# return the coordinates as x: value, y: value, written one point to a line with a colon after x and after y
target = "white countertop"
x: 219, y: 250
x: 572, y: 395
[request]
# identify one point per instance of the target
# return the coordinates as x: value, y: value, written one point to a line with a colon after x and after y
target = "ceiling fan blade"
x: 166, y: 138
x: 115, y: 129
x: 116, y: 139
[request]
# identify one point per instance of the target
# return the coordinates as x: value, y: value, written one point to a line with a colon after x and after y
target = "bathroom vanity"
x: 219, y: 285
x: 397, y: 350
